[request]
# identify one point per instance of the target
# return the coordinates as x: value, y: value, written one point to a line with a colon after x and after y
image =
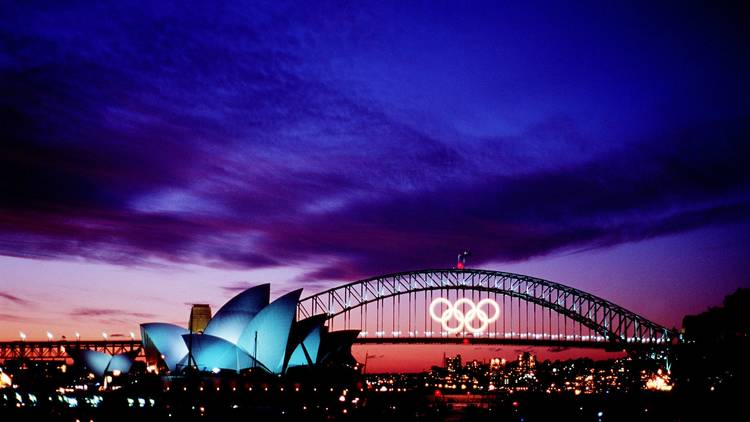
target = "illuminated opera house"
x: 249, y: 332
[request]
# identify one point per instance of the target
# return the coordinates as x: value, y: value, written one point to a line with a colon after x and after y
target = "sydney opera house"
x: 247, y: 332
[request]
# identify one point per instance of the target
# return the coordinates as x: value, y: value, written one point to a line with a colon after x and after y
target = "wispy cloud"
x: 14, y: 318
x: 14, y: 299
x: 108, y: 313
x: 237, y: 287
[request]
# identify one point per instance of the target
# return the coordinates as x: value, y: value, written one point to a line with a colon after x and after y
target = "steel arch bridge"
x: 394, y: 308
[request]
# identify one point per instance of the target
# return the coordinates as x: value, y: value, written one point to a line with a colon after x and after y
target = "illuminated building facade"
x: 200, y: 314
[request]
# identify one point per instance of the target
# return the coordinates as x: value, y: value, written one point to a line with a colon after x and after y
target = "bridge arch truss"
x: 394, y: 308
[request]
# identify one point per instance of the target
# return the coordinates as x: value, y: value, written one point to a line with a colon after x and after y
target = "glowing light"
x: 659, y: 382
x: 5, y: 380
x: 465, y: 320
x: 23, y: 335
x: 49, y: 336
x: 104, y: 335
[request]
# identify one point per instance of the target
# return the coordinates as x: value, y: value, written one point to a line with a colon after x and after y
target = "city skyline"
x: 158, y: 156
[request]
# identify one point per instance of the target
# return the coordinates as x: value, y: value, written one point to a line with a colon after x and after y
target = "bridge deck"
x: 57, y: 349
x: 611, y: 346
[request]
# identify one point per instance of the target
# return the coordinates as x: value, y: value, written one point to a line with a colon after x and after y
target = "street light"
x: 104, y: 335
x: 49, y: 336
x: 132, y: 335
x: 78, y: 336
x: 23, y: 335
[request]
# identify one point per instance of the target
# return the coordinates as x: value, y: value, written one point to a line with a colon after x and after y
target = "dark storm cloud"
x: 138, y: 139
x: 639, y: 193
x: 630, y: 195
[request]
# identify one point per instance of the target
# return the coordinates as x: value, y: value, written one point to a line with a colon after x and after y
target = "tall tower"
x: 200, y: 314
x: 461, y: 264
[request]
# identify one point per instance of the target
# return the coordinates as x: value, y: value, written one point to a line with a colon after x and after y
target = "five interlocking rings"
x: 465, y: 319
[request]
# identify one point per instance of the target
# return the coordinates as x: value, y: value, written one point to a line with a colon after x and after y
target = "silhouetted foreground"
x: 324, y: 404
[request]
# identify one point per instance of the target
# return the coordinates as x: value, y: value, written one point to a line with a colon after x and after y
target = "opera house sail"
x: 100, y: 363
x: 249, y: 331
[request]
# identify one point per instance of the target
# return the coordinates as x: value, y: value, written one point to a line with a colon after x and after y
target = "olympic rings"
x: 465, y: 320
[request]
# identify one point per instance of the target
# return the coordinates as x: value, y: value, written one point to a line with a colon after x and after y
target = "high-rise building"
x: 496, y: 364
x: 200, y: 314
x: 526, y: 361
x: 453, y: 364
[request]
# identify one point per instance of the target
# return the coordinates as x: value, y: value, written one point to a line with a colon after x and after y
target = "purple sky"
x: 154, y: 154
